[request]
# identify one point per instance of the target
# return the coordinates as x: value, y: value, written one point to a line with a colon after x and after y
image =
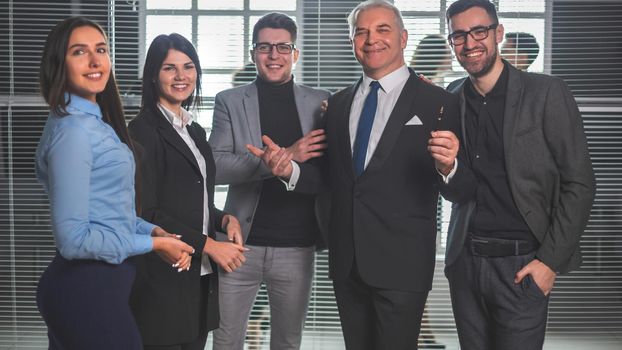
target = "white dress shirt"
x: 179, y: 124
x: 391, y: 86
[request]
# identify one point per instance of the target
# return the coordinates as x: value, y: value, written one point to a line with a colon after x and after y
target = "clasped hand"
x: 171, y: 249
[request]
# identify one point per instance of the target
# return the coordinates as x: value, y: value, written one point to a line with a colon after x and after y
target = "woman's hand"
x: 160, y: 232
x: 173, y: 251
x: 184, y: 262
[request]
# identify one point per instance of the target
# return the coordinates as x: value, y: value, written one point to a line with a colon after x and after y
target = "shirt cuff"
x: 143, y: 227
x: 142, y: 244
x: 451, y: 174
x: 293, y: 180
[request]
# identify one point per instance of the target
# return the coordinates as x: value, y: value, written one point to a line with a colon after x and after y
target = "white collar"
x: 388, y: 82
x: 178, y: 122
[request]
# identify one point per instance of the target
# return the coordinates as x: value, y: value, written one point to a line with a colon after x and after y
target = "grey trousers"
x: 287, y: 273
x: 491, y: 311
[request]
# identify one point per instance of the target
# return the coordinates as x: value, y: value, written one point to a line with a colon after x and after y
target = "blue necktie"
x: 364, y: 128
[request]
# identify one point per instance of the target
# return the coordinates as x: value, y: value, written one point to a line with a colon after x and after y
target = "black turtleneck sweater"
x: 282, y: 218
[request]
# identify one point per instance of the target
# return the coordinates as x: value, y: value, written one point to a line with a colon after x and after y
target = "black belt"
x: 496, y: 247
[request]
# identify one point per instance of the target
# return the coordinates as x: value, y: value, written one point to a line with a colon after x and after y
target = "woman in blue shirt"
x: 178, y: 176
x: 86, y: 165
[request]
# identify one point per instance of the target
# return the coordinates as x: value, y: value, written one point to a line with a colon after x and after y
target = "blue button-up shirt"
x: 88, y: 174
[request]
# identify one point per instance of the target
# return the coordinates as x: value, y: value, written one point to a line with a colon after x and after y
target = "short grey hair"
x: 369, y: 4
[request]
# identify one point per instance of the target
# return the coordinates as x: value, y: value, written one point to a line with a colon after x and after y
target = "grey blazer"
x: 236, y: 123
x: 548, y: 167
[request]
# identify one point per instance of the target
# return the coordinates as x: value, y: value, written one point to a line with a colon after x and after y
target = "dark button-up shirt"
x: 496, y: 213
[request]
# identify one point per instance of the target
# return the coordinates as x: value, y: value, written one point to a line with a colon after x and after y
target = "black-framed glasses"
x: 282, y: 48
x: 478, y: 33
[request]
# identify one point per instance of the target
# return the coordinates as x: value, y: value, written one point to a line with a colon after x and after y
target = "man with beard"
x: 525, y: 143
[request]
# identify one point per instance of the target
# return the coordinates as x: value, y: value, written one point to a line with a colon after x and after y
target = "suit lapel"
x: 459, y: 90
x: 305, y: 110
x: 513, y: 96
x: 251, y: 112
x: 201, y: 142
x: 172, y: 137
x: 343, y: 128
x: 405, y: 108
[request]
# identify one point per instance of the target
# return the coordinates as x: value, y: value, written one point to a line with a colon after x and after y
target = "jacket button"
x: 199, y: 181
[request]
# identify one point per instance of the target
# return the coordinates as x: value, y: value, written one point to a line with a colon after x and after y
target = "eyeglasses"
x: 282, y: 48
x: 479, y: 33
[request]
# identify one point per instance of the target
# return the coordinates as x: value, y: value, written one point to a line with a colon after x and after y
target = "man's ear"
x: 499, y: 32
x: 404, y: 38
x: 296, y: 53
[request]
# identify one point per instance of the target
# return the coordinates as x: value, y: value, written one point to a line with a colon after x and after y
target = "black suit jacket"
x: 165, y: 302
x: 548, y: 167
x: 385, y: 220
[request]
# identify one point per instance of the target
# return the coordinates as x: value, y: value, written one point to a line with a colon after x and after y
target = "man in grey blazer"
x: 524, y: 141
x: 279, y: 227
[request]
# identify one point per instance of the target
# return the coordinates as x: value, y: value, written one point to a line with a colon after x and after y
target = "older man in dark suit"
x: 535, y: 186
x: 390, y: 150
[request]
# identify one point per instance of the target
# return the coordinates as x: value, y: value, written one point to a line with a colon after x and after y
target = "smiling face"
x: 378, y: 42
x: 87, y: 62
x: 177, y: 79
x: 476, y: 57
x: 274, y: 67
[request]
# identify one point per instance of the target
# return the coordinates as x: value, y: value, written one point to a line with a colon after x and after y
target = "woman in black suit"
x: 176, y: 311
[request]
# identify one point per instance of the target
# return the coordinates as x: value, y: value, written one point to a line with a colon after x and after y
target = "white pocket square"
x: 414, y: 121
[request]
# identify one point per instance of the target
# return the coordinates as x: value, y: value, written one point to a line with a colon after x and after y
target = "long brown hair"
x: 54, y: 84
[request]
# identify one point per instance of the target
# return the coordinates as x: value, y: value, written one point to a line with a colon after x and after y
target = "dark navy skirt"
x: 84, y: 304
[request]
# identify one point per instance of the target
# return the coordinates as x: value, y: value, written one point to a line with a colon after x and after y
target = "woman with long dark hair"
x: 178, y: 171
x: 85, y: 163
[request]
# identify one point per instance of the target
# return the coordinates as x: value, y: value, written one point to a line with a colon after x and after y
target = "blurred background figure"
x: 244, y: 75
x: 520, y: 49
x: 432, y: 58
